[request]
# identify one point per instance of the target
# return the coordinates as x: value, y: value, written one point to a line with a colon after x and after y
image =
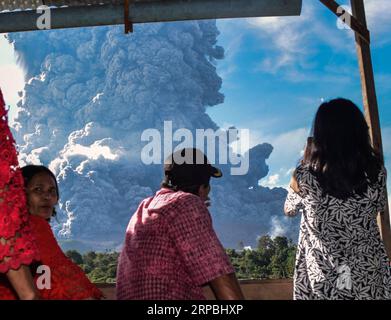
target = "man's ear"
x: 202, y: 189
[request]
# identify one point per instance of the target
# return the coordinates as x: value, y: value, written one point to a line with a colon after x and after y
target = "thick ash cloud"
x: 89, y: 95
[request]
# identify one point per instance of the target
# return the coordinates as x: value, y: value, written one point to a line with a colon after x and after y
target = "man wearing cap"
x: 171, y: 250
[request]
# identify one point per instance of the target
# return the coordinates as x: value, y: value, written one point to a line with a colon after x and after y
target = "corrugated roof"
x: 12, y: 5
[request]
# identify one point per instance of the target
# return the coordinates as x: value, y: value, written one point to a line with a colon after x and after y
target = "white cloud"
x: 278, y: 228
x: 290, y: 171
x: 11, y: 82
x: 378, y: 17
x: 6, y: 51
x: 271, y: 181
x: 11, y: 77
x: 294, y: 41
x: 288, y: 148
x: 231, y: 44
x: 92, y: 152
x: 287, y: 41
x: 285, y: 35
x: 289, y: 46
x: 231, y: 39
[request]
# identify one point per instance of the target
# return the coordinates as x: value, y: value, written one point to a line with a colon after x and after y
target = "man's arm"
x: 227, y: 287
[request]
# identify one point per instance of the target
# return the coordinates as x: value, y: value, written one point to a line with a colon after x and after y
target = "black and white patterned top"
x: 340, y: 253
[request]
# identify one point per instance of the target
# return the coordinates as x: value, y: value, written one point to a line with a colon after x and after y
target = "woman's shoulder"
x: 306, y: 179
x: 378, y: 178
x: 46, y: 241
x: 40, y: 226
x: 383, y: 171
x: 381, y: 177
x: 303, y: 171
x: 37, y: 220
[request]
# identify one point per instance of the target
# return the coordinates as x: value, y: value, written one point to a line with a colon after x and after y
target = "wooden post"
x: 371, y: 109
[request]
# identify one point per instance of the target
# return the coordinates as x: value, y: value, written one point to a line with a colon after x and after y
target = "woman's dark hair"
x: 29, y: 171
x: 340, y: 153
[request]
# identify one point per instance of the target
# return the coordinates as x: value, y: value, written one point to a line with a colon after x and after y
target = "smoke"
x: 89, y: 95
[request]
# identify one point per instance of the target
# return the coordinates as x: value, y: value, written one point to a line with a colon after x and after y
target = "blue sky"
x: 276, y: 73
x: 278, y: 70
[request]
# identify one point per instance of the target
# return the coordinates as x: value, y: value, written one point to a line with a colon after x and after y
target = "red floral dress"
x: 17, y: 245
x: 67, y: 280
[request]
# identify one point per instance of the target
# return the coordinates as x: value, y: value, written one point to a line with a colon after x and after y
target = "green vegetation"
x: 272, y: 259
x: 99, y: 267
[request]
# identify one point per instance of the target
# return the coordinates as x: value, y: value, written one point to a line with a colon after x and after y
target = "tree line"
x: 273, y: 258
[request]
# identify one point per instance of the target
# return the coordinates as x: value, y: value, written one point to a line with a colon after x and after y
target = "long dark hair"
x: 29, y: 171
x: 340, y: 153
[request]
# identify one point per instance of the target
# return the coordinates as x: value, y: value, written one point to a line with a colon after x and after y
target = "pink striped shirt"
x: 170, y: 250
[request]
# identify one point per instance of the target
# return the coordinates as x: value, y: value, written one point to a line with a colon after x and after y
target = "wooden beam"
x: 371, y: 109
x: 354, y: 23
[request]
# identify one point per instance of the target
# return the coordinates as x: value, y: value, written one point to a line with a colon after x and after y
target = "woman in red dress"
x: 27, y: 239
x: 17, y: 244
x: 67, y: 280
x: 55, y: 275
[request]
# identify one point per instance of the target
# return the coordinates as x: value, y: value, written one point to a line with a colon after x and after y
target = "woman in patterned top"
x: 339, y: 187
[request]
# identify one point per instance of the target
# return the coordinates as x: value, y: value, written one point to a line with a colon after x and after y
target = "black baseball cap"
x: 189, y: 166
